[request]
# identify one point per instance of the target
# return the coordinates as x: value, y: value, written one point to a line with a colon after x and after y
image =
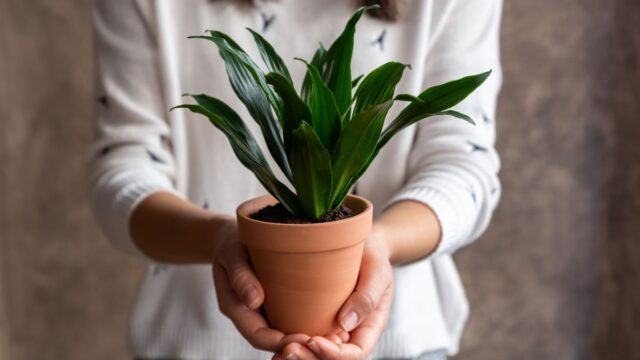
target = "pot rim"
x: 243, y: 211
x: 303, y: 238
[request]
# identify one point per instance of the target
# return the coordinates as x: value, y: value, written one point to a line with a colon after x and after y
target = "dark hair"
x: 388, y: 8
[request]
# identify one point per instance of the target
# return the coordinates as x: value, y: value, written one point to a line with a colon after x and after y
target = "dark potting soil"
x: 279, y: 214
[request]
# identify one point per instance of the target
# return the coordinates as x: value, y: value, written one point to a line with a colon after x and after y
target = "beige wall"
x: 65, y: 291
x: 554, y: 277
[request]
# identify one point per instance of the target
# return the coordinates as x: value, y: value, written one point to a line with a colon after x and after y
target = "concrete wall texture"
x: 555, y: 276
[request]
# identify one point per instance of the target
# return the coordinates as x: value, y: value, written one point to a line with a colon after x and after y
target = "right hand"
x: 240, y: 294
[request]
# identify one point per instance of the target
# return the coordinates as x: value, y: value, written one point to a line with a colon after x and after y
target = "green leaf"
x: 380, y: 145
x: 272, y: 97
x: 378, y: 86
x: 270, y: 56
x: 324, y: 111
x: 232, y: 121
x: 355, y: 81
x: 318, y: 62
x: 294, y: 110
x: 407, y: 97
x: 244, y: 146
x: 249, y: 83
x: 434, y: 100
x: 458, y: 115
x: 355, y: 147
x: 447, y: 95
x: 311, y: 167
x: 336, y: 71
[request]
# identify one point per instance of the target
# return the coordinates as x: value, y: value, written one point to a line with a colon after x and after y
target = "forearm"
x: 171, y: 230
x: 410, y: 230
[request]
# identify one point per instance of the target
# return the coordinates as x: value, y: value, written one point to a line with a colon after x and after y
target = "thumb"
x: 374, y: 279
x: 242, y: 277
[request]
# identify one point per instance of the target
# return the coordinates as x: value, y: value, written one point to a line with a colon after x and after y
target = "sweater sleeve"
x: 453, y: 166
x: 130, y: 157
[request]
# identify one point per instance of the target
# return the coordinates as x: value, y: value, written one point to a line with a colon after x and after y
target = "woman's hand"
x: 364, y: 314
x: 240, y: 294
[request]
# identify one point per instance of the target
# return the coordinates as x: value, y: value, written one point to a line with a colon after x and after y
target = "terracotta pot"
x: 307, y: 270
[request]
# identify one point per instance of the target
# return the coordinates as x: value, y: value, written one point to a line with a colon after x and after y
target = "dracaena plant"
x: 326, y: 136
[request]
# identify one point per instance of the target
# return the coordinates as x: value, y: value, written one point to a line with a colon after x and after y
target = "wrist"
x: 380, y: 240
x: 220, y: 229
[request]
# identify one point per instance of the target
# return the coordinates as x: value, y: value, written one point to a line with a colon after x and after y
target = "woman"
x: 165, y: 185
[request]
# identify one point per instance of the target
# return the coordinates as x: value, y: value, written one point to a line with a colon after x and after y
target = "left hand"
x: 363, y: 316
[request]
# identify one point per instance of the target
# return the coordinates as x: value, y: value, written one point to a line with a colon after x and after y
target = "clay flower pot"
x: 307, y: 270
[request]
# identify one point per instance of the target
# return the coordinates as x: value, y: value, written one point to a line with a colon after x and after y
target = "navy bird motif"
x: 158, y: 269
x: 154, y: 157
x: 486, y: 118
x: 380, y: 39
x: 205, y: 205
x: 475, y: 147
x: 266, y: 21
x: 104, y: 100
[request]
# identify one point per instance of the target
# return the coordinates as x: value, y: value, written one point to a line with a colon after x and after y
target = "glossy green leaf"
x: 458, y: 115
x: 378, y: 86
x: 233, y: 122
x: 318, y: 62
x: 450, y: 94
x: 324, y: 111
x: 434, y: 100
x: 294, y: 110
x: 407, y: 97
x: 245, y: 148
x: 336, y: 71
x: 380, y: 145
x: 270, y: 57
x: 311, y: 167
x: 356, y: 81
x: 272, y: 97
x: 249, y: 83
x: 355, y: 146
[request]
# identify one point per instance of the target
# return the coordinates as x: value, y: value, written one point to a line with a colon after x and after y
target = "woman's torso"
x: 176, y: 313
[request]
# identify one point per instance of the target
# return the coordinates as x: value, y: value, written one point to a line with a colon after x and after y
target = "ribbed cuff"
x: 451, y: 233
x: 135, y: 187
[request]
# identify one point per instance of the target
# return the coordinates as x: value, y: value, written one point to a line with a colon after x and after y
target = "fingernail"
x: 290, y: 357
x: 250, y: 296
x: 349, y: 321
x: 313, y: 346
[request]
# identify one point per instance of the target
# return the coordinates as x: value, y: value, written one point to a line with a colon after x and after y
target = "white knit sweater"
x: 145, y: 62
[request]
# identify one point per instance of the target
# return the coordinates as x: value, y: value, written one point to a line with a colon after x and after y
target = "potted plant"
x: 306, y: 246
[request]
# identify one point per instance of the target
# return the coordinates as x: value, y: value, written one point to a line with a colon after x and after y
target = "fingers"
x: 297, y: 351
x: 239, y: 294
x: 375, y: 277
x: 249, y: 322
x: 326, y: 349
x: 335, y: 338
x: 369, y: 331
x: 344, y: 336
x: 243, y: 280
x: 363, y: 338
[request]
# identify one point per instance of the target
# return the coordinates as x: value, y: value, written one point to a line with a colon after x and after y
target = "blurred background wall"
x: 557, y: 275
